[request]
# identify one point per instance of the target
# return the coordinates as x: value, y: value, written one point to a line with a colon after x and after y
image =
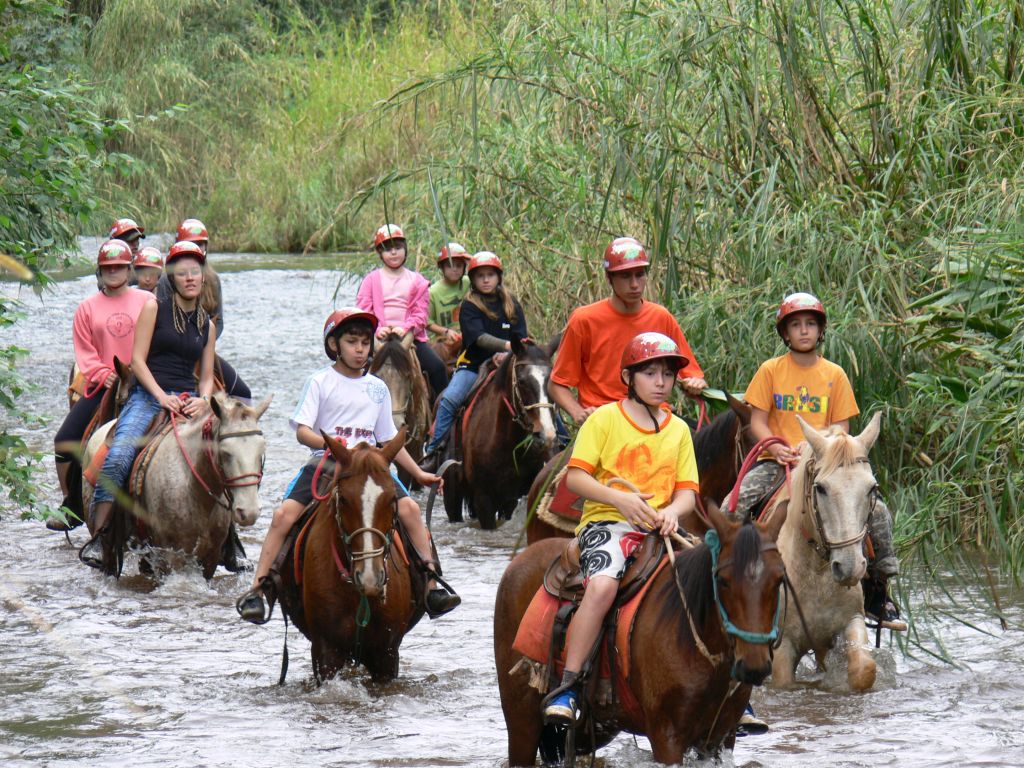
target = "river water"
x: 131, y: 673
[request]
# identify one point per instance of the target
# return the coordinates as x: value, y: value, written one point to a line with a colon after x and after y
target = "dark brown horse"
x: 349, y: 590
x: 395, y: 362
x: 509, y: 433
x: 719, y: 446
x: 691, y: 687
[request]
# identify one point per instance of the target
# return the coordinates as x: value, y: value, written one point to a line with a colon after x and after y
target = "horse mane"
x: 693, y: 574
x: 714, y: 438
x: 842, y: 450
x: 401, y: 358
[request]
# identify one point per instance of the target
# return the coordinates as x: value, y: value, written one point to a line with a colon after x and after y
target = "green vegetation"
x: 868, y: 150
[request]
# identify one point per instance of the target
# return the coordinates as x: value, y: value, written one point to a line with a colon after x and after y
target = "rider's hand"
x: 666, y: 522
x: 693, y: 385
x: 499, y: 358
x: 382, y: 332
x: 427, y: 478
x: 111, y: 380
x: 581, y: 415
x: 195, y: 406
x: 171, y: 403
x: 783, y: 454
x: 636, y: 510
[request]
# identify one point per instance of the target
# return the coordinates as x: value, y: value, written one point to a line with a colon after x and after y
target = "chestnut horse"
x: 719, y: 447
x: 509, y: 433
x: 203, y: 474
x: 350, y: 592
x: 832, y: 494
x: 395, y: 363
x: 700, y: 639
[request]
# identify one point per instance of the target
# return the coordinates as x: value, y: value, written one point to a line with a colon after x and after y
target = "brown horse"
x: 350, y: 591
x: 700, y: 639
x: 448, y: 350
x: 507, y: 435
x: 719, y: 447
x: 395, y: 362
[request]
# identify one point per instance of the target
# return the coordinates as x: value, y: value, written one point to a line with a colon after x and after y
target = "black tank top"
x: 173, y: 356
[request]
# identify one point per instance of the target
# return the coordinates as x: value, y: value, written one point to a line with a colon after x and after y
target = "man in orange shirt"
x: 588, y: 358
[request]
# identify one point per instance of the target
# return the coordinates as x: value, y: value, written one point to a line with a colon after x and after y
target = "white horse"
x: 822, y: 544
x: 203, y: 474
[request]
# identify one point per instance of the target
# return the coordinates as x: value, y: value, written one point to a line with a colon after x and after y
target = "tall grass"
x: 867, y: 150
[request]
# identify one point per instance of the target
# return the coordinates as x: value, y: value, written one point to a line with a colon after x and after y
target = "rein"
x: 227, y: 483
x: 520, y: 411
x: 748, y: 462
x: 760, y: 638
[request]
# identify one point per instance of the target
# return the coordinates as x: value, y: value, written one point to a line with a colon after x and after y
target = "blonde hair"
x: 203, y: 312
x: 476, y: 298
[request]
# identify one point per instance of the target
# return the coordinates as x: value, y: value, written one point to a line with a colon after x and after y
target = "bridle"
x: 714, y: 544
x: 227, y: 484
x: 521, y: 411
x: 817, y: 538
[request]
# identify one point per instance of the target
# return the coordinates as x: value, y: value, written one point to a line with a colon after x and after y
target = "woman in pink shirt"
x: 401, y: 298
x: 104, y: 328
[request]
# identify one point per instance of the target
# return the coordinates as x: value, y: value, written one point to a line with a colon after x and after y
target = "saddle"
x: 542, y: 632
x: 558, y: 506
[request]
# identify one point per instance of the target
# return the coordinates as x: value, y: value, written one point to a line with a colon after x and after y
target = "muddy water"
x: 94, y: 671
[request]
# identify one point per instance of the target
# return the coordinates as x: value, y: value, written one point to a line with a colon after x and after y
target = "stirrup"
x: 90, y: 558
x: 248, y: 603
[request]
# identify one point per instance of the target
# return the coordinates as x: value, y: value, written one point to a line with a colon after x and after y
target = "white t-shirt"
x: 354, y: 410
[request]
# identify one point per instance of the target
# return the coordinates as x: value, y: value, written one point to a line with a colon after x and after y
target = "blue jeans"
x: 131, y: 425
x: 452, y: 399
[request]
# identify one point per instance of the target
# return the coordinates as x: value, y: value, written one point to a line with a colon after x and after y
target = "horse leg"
x: 327, y: 660
x: 483, y: 508
x: 784, y: 664
x: 666, y: 743
x: 861, y: 666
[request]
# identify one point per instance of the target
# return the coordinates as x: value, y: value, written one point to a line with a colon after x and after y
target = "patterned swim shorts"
x: 606, y: 548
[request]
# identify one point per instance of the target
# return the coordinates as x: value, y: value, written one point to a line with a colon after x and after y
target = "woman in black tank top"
x: 171, y: 336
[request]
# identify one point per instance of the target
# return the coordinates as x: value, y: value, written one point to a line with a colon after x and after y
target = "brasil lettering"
x: 800, y: 403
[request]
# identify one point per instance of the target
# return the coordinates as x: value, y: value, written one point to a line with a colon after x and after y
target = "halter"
x: 817, y: 539
x: 520, y: 411
x: 227, y: 483
x: 760, y: 638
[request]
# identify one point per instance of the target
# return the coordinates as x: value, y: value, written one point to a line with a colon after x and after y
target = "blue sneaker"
x: 562, y: 709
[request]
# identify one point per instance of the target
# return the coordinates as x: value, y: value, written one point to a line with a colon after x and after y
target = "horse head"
x: 747, y: 575
x: 395, y: 362
x: 241, y: 450
x: 835, y: 488
x: 529, y: 371
x: 366, y: 508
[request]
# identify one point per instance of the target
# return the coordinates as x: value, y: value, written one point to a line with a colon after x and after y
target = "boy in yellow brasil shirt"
x: 638, y: 440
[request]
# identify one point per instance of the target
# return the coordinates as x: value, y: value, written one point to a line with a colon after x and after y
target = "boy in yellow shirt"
x: 639, y: 440
x: 805, y: 383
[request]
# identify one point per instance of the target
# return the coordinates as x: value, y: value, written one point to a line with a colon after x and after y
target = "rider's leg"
x: 131, y: 425
x: 66, y: 445
x: 451, y: 400
x: 432, y: 365
x: 439, y: 601
x: 885, y: 563
x: 758, y: 482
x: 282, y: 522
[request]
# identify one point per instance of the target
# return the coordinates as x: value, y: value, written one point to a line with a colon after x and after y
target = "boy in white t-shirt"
x: 345, y: 402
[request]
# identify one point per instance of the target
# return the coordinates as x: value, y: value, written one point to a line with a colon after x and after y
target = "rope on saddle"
x: 748, y: 462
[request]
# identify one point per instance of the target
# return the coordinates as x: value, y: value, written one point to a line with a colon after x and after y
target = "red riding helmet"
x: 387, y: 232
x: 341, y: 316
x: 624, y: 253
x: 799, y: 302
x: 186, y: 249
x: 651, y: 346
x: 452, y: 251
x: 192, y: 231
x: 485, y: 259
x: 114, y: 253
x: 148, y: 257
x: 124, y: 227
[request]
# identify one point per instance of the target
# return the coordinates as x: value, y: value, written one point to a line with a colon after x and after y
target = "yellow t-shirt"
x: 820, y: 393
x: 610, y: 444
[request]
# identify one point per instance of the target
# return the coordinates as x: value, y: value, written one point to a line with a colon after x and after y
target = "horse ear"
x: 338, y: 450
x: 123, y: 371
x: 395, y: 444
x: 776, y: 518
x: 407, y: 340
x: 217, y: 405
x: 741, y: 409
x: 518, y: 347
x: 870, y: 434
x: 262, y: 407
x: 814, y: 437
x: 717, y: 517
x: 553, y: 344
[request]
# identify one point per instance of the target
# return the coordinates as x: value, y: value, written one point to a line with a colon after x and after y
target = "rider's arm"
x: 761, y: 431
x: 489, y: 343
x: 634, y: 507
x: 406, y: 462
x: 307, y: 437
x: 566, y: 400
x: 206, y: 364
x: 144, y: 327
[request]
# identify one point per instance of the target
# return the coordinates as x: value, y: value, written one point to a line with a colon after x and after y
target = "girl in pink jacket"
x: 400, y: 298
x: 104, y: 328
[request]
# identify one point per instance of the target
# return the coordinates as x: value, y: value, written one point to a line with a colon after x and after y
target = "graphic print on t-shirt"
x: 120, y: 324
x: 802, y: 401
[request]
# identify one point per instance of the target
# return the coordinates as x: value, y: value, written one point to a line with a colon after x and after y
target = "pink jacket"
x: 104, y: 327
x: 371, y: 299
